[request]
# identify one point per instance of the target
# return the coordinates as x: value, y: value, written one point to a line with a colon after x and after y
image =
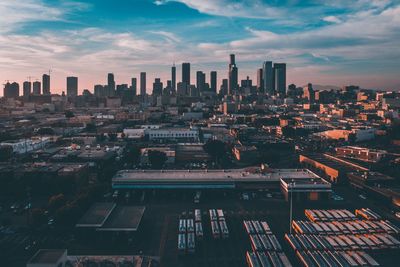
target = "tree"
x: 112, y: 137
x: 157, y: 159
x: 131, y: 153
x: 215, y: 148
x: 5, y: 153
x: 91, y: 127
x: 69, y: 114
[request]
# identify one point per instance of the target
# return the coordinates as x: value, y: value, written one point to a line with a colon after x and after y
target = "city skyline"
x: 89, y: 39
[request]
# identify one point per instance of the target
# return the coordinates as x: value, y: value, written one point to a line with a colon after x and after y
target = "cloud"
x: 244, y: 8
x: 14, y: 14
x: 332, y: 19
x: 169, y: 36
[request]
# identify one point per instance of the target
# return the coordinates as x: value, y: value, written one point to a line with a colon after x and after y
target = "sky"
x: 322, y: 41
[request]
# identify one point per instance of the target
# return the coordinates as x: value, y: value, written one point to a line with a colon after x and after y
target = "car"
x: 362, y: 196
x: 50, y: 221
x: 245, y: 196
x: 397, y: 214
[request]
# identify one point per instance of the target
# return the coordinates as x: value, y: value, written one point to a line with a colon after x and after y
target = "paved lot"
x: 159, y: 231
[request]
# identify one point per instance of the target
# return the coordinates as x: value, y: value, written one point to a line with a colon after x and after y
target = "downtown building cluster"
x: 271, y: 81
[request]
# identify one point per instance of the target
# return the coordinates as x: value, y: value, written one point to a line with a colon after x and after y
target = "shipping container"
x: 256, y: 243
x: 263, y: 259
x: 265, y: 242
x: 249, y: 227
x: 266, y: 228
x: 252, y: 260
x: 257, y: 227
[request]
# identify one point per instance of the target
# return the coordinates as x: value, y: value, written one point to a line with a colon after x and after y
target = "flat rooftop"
x: 248, y: 174
x: 124, y: 218
x: 47, y: 256
x: 203, y: 179
x: 110, y: 217
x: 96, y: 215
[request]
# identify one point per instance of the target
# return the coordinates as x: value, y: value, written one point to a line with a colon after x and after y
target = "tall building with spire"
x: 233, y: 76
x: 173, y: 78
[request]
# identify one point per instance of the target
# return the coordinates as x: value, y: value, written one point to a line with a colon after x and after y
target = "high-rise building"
x: 260, y: 80
x: 134, y: 86
x: 111, y: 84
x: 213, y: 81
x: 46, y: 84
x: 280, y: 78
x: 36, y: 89
x: 200, y: 81
x: 268, y: 78
x: 157, y: 87
x: 100, y: 90
x: 224, y: 87
x: 143, y: 83
x: 72, y: 86
x: 186, y: 74
x: 11, y: 90
x: 233, y: 76
x: 173, y: 78
x: 27, y: 89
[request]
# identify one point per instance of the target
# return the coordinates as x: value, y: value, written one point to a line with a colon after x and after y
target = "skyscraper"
x: 36, y: 90
x: 11, y: 90
x: 200, y: 81
x: 157, y: 87
x: 72, y: 86
x: 46, y: 84
x: 27, y: 89
x: 268, y: 78
x: 134, y: 86
x: 111, y: 84
x: 213, y: 81
x: 260, y: 80
x: 224, y: 87
x: 233, y: 76
x: 143, y: 83
x: 280, y: 78
x: 186, y: 74
x: 173, y: 78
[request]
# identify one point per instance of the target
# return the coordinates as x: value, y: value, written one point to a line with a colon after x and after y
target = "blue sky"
x: 323, y: 41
